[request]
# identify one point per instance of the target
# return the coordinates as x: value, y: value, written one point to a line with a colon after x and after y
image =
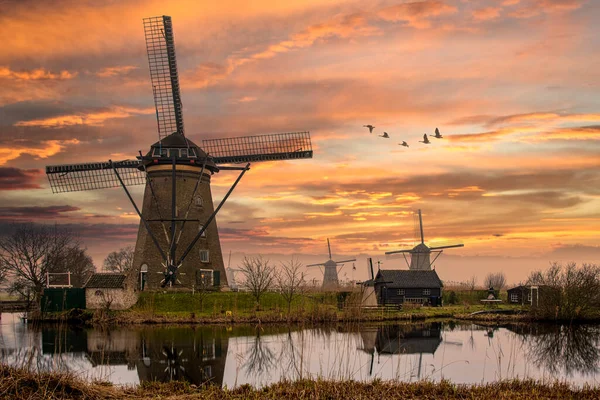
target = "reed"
x: 21, y: 384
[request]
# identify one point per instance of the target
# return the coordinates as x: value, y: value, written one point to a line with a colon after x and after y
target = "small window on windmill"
x: 204, y: 256
x: 401, y: 292
x: 199, y: 201
x: 183, y: 153
x: 191, y: 153
x: 204, y: 278
x: 164, y: 152
x: 156, y: 152
x: 203, y: 233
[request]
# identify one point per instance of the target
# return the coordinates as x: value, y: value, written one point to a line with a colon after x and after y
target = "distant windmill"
x: 330, y: 276
x: 420, y: 255
x: 231, y: 275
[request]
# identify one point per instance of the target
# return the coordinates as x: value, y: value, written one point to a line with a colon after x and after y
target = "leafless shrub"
x: 567, y: 293
x: 471, y: 283
x: 259, y: 276
x: 290, y: 281
x: 495, y: 280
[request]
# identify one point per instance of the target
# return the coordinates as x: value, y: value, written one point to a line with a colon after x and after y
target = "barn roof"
x: 106, y: 281
x: 403, y: 278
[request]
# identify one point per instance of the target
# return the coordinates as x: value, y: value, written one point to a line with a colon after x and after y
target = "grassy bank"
x: 240, y: 307
x: 20, y: 384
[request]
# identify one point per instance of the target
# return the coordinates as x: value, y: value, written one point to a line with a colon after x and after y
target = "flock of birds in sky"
x: 425, y: 140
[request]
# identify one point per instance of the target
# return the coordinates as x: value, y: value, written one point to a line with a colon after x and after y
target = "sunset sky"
x: 513, y: 85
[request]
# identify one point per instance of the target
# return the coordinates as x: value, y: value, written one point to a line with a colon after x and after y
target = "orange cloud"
x: 38, y: 74
x: 96, y: 118
x: 486, y: 14
x: 416, y: 14
x: 114, y: 71
x: 349, y: 26
x: 48, y: 148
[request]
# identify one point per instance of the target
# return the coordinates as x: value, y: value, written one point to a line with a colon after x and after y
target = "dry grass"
x: 20, y: 385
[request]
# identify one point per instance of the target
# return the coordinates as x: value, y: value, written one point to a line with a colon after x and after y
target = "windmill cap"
x: 178, y: 141
x: 421, y: 248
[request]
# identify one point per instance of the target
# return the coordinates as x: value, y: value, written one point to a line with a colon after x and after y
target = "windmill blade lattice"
x: 160, y: 46
x: 91, y: 176
x: 278, y: 146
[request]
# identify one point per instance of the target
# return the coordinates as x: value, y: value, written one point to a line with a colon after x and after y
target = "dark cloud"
x: 29, y: 110
x: 261, y: 238
x: 33, y: 213
x: 15, y: 178
x: 575, y: 252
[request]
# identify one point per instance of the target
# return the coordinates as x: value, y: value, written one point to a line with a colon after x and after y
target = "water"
x: 231, y: 356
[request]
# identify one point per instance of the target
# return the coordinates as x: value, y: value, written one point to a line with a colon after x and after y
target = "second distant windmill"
x: 330, y: 275
x: 420, y: 255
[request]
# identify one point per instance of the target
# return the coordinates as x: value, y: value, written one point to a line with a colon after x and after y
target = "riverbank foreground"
x: 20, y: 384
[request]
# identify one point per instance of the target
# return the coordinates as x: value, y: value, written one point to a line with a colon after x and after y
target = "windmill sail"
x: 160, y: 46
x: 279, y: 146
x: 90, y: 176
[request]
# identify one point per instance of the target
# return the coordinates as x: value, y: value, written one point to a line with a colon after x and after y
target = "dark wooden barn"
x: 408, y: 286
x: 527, y: 294
x: 519, y: 295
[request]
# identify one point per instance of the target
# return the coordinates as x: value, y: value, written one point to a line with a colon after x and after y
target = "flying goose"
x: 425, y: 139
x: 371, y: 127
x: 403, y: 144
x: 385, y: 135
x: 438, y: 135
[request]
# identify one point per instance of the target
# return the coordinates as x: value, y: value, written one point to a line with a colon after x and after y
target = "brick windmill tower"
x: 178, y: 240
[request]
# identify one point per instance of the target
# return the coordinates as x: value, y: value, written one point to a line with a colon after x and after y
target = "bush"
x: 453, y: 298
x: 567, y: 293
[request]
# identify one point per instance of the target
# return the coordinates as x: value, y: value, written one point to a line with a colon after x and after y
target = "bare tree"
x: 259, y: 274
x: 290, y: 281
x: 472, y: 283
x: 119, y: 261
x: 29, y: 251
x: 76, y: 261
x: 495, y: 280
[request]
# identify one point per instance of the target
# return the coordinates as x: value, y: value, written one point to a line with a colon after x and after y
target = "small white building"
x: 109, y: 291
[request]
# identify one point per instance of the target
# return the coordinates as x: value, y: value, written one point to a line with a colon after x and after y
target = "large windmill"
x: 420, y: 255
x: 178, y: 234
x: 330, y: 276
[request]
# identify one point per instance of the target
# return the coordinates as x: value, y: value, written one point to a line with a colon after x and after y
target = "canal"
x: 235, y: 355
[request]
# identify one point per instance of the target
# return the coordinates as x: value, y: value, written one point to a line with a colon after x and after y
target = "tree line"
x: 31, y: 254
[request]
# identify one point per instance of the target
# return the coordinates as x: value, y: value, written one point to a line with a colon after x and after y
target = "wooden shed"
x: 408, y: 286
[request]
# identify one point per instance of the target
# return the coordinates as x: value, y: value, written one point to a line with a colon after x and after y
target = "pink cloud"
x: 416, y: 14
x: 486, y: 14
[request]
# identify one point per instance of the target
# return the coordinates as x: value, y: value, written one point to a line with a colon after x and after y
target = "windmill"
x: 231, y: 275
x: 420, y: 255
x: 330, y: 276
x: 178, y: 234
